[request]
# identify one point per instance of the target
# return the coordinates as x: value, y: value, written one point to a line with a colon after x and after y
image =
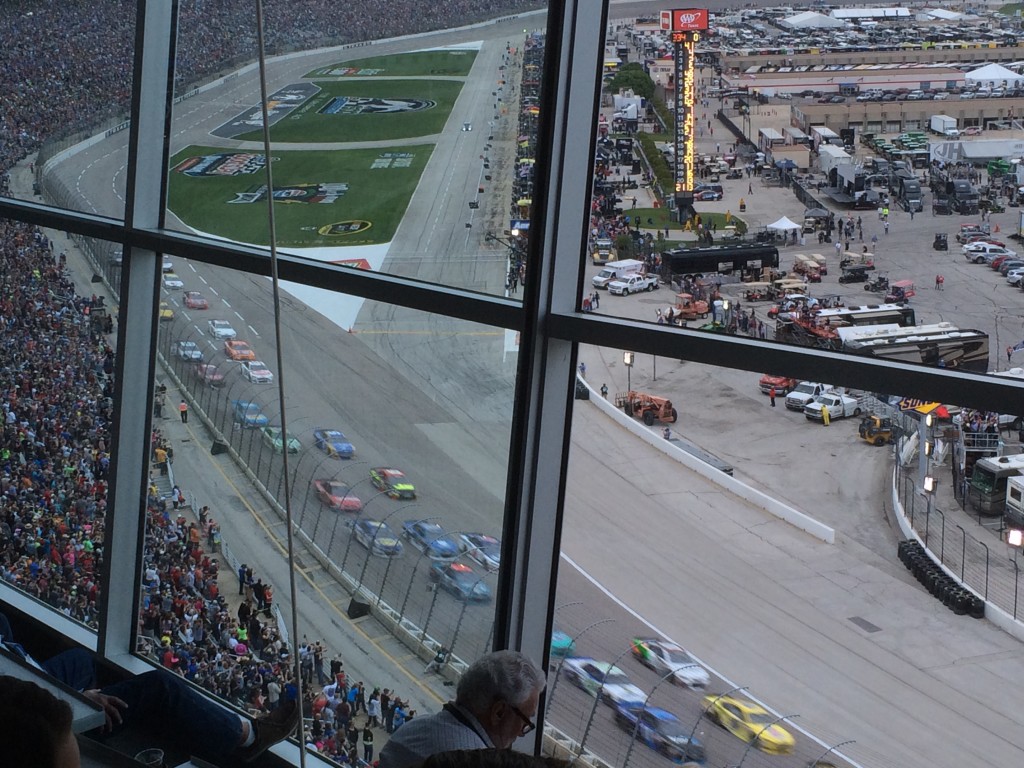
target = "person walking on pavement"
x: 771, y: 396
x: 183, y: 411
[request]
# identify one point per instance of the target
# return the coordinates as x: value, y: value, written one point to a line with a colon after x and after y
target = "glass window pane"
x: 57, y: 367
x: 395, y: 476
x: 63, y: 134
x: 413, y: 158
x: 712, y: 569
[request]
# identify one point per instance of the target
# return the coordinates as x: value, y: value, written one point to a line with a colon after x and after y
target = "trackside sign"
x: 685, y: 20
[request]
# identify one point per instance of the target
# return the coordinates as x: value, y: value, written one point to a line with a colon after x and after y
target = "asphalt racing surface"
x: 764, y: 604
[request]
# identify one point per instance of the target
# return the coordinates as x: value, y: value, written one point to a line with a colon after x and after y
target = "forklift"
x: 876, y: 430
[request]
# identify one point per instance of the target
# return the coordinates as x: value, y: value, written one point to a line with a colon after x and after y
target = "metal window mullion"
x: 144, y: 208
x: 544, y: 392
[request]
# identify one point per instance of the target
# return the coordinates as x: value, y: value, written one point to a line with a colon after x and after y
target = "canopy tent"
x: 811, y: 20
x: 994, y: 74
x: 815, y: 213
x: 785, y: 224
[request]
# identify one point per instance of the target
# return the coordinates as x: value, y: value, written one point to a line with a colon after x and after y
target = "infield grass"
x: 379, y: 190
x: 452, y: 63
x: 309, y: 124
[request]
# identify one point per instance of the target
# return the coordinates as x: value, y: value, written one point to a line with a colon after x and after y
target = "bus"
x: 987, y: 492
x: 724, y: 259
x: 869, y: 314
x: 942, y: 344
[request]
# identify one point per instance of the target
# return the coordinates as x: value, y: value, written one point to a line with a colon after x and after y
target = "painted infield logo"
x: 222, y: 164
x: 368, y: 105
x: 295, y: 193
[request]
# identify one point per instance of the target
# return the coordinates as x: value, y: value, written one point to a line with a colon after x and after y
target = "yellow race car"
x: 750, y: 722
x: 166, y: 313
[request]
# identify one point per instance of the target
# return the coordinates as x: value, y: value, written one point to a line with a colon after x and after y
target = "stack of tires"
x: 959, y: 600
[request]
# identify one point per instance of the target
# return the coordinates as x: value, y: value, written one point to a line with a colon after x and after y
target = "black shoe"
x: 271, y: 729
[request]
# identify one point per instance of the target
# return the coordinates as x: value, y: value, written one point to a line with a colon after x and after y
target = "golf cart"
x: 855, y: 274
x: 900, y: 292
x: 941, y: 242
x: 877, y: 284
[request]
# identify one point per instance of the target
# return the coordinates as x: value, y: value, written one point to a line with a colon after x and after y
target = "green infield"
x: 362, y: 110
x: 325, y: 198
x: 453, y: 63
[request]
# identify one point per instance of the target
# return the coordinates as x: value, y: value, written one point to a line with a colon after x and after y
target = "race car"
x: 483, y: 549
x: 750, y: 722
x: 663, y: 656
x: 603, y: 680
x: 393, y: 482
x: 337, y: 495
x: 238, y: 350
x: 662, y: 731
x: 172, y: 282
x: 333, y: 443
x: 430, y: 539
x: 209, y: 375
x: 275, y: 438
x: 377, y: 537
x: 256, y: 372
x: 166, y: 313
x: 461, y: 580
x: 221, y: 330
x: 248, y: 413
x: 196, y: 300
x: 561, y: 645
x: 189, y: 350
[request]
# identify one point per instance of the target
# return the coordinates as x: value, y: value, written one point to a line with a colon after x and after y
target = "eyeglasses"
x: 528, y: 725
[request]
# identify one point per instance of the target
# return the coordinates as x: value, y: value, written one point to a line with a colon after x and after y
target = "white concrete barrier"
x: 759, y: 499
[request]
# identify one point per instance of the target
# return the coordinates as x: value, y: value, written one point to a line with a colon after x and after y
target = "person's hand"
x: 111, y: 706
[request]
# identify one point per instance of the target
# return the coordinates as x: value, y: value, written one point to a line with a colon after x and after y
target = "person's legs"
x: 158, y: 699
x: 74, y: 668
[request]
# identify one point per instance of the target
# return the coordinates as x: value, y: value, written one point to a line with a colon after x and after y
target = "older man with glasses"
x: 495, y: 703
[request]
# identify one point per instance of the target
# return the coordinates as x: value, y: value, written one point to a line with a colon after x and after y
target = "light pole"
x: 597, y: 697
x: 704, y: 711
x: 558, y: 670
x: 829, y: 751
x: 416, y: 565
x: 757, y: 736
x: 627, y: 360
x: 320, y: 506
x: 462, y: 613
x: 929, y: 488
x: 387, y: 568
x: 356, y: 519
x: 639, y: 714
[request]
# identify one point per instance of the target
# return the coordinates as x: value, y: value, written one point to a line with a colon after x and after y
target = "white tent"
x: 811, y: 20
x: 785, y: 224
x: 994, y: 74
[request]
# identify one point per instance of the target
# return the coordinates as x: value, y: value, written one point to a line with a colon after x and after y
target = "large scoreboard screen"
x: 685, y: 26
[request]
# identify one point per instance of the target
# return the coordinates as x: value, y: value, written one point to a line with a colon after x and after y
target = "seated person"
x: 160, y: 698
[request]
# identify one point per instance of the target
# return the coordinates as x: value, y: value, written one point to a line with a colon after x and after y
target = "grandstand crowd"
x: 66, y: 66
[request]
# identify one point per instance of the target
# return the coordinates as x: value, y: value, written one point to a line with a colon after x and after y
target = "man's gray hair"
x: 506, y: 675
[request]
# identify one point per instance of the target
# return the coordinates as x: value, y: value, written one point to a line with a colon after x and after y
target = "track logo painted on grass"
x: 367, y: 105
x: 222, y: 164
x: 342, y: 228
x: 295, y: 193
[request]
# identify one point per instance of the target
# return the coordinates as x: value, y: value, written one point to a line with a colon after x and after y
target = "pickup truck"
x: 839, y: 406
x: 632, y: 284
x: 804, y: 393
x: 782, y: 384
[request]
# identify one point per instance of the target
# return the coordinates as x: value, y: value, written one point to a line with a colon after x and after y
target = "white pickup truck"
x: 632, y: 284
x: 839, y: 406
x: 803, y: 393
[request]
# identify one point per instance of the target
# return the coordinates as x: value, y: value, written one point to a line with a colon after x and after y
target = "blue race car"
x: 662, y: 731
x: 377, y: 537
x: 461, y: 580
x: 249, y: 414
x: 431, y: 539
x: 333, y: 443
